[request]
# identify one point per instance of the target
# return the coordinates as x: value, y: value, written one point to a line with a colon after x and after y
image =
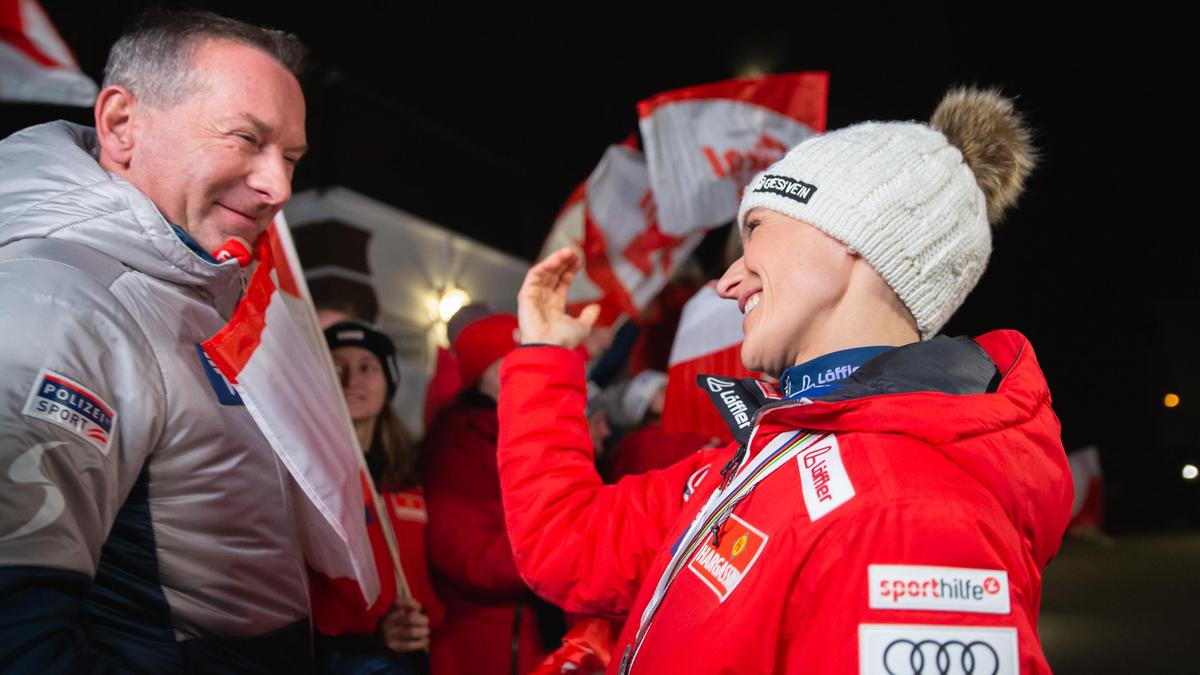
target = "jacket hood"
x: 983, y: 403
x: 52, y: 186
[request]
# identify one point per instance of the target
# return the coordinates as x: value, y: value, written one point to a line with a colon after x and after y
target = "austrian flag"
x: 638, y: 216
x: 36, y: 66
x: 612, y: 220
x: 704, y: 144
x: 269, y: 353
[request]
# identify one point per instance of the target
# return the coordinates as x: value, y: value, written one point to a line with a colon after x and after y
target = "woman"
x: 366, y: 365
x: 895, y: 511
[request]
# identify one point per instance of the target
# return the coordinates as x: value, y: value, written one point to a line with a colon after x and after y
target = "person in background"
x: 494, y: 624
x: 366, y: 365
x: 635, y: 407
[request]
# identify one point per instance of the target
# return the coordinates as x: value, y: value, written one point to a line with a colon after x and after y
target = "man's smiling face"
x: 219, y: 164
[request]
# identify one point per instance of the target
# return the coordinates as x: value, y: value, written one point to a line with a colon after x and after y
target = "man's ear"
x: 115, y: 110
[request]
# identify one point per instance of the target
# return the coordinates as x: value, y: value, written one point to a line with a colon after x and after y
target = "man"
x: 894, y: 512
x: 145, y: 523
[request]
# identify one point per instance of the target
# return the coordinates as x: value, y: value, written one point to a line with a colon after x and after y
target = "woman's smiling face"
x: 788, y: 281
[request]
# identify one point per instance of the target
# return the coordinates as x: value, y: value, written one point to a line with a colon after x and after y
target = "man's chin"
x: 238, y: 226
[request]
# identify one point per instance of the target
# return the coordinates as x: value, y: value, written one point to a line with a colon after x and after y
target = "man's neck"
x: 193, y: 245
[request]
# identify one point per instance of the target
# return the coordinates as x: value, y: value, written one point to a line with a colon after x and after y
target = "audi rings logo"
x: 929, y: 649
x: 930, y: 657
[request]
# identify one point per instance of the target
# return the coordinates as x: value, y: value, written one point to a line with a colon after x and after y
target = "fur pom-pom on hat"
x: 994, y: 140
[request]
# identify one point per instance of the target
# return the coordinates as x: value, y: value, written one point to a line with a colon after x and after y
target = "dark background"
x: 483, y: 120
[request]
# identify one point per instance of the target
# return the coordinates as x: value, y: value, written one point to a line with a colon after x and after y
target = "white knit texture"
x: 899, y: 195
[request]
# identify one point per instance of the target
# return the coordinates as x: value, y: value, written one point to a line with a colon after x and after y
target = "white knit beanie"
x: 913, y: 200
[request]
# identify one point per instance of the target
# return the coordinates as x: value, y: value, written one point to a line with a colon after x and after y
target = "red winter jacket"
x: 901, y: 523
x: 406, y: 510
x: 650, y: 448
x: 473, y: 569
x: 338, y: 608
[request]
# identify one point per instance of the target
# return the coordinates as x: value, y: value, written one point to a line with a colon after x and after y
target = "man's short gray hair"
x: 152, y: 58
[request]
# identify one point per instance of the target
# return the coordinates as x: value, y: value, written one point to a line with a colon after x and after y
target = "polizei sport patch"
x: 786, y: 187
x: 64, y: 402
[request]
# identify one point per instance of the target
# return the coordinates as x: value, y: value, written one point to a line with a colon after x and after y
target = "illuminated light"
x: 1190, y: 472
x: 451, y: 301
x: 753, y: 69
x: 1171, y: 400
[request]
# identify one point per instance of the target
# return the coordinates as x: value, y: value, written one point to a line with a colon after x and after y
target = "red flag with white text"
x: 611, y: 219
x: 637, y: 217
x: 705, y: 143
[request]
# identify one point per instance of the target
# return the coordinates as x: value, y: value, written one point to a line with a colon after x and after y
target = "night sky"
x: 484, y: 120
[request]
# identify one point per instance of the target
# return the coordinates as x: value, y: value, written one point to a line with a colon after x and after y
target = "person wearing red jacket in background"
x: 894, y: 512
x: 392, y: 635
x: 492, y: 618
x: 636, y: 406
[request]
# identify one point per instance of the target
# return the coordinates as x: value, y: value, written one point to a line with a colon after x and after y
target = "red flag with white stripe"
x: 1087, y: 511
x: 273, y: 352
x: 611, y: 219
x: 704, y: 144
x: 708, y: 341
x: 36, y: 66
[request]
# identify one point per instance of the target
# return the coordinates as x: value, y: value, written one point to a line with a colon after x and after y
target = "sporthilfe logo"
x: 949, y: 589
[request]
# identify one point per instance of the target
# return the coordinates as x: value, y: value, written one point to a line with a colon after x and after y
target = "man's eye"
x: 249, y: 138
x: 750, y: 225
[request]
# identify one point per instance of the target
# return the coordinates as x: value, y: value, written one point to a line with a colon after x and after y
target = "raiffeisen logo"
x: 950, y: 589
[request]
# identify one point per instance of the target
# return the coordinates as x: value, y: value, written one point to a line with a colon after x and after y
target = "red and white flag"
x: 36, y: 66
x: 611, y: 219
x: 704, y: 144
x: 708, y: 341
x: 1087, y: 511
x: 273, y: 352
x: 634, y: 221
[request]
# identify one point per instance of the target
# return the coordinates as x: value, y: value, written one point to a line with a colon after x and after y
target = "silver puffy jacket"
x: 129, y: 470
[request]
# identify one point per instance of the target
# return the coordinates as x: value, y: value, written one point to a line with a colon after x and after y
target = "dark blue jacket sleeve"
x: 40, y: 629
